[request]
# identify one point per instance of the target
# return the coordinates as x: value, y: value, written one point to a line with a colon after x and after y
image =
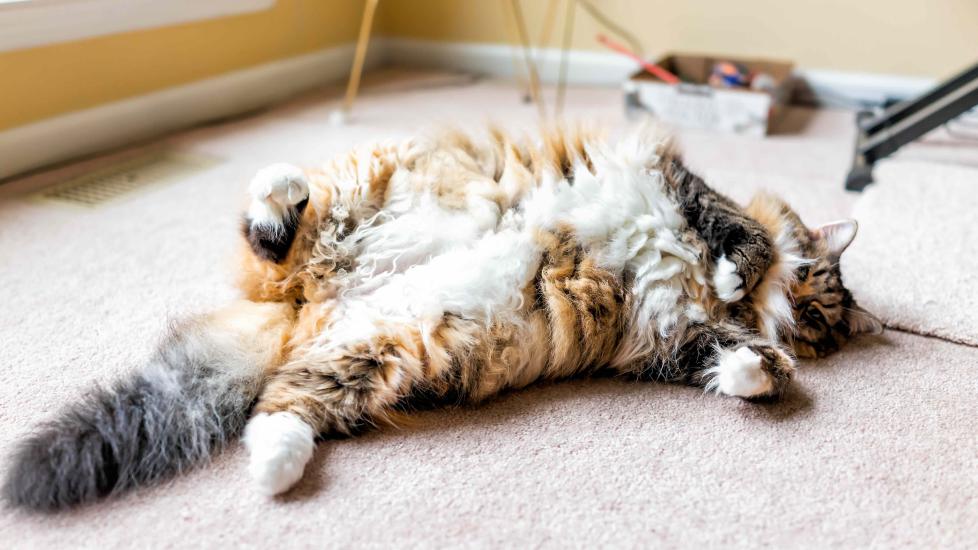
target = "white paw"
x: 726, y: 282
x: 739, y: 374
x: 280, y: 444
x: 274, y: 190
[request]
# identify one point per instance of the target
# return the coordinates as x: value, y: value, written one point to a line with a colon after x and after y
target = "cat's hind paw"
x: 750, y: 372
x: 275, y: 190
x: 727, y: 283
x: 279, y: 444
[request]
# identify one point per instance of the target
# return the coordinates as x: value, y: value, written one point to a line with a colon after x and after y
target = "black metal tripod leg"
x: 861, y: 173
x: 859, y: 177
x: 904, y: 109
x: 952, y: 105
x: 914, y: 119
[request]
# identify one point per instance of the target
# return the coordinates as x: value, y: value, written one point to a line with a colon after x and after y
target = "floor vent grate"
x: 127, y: 177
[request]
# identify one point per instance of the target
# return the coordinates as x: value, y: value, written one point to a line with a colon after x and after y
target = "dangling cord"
x: 613, y: 27
x: 530, y: 65
x: 359, y: 56
x: 564, y: 54
x: 514, y: 46
x: 548, y: 26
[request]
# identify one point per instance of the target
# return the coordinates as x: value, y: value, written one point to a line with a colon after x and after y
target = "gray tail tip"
x: 47, y: 476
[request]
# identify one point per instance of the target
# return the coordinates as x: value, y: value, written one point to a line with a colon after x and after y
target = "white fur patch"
x: 774, y: 308
x: 739, y: 374
x: 275, y: 189
x: 726, y: 282
x: 624, y: 216
x: 280, y: 445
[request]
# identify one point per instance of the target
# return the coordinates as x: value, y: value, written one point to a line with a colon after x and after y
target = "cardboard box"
x: 695, y: 104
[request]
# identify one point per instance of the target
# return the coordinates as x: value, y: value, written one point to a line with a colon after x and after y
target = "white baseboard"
x: 835, y: 87
x: 586, y: 67
x: 122, y: 122
x: 116, y: 124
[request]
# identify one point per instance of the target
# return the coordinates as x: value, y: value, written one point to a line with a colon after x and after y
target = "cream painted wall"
x: 929, y: 38
x: 904, y: 37
x: 42, y: 82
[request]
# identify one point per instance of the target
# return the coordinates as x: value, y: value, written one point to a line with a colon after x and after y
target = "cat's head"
x: 826, y: 315
x: 824, y: 312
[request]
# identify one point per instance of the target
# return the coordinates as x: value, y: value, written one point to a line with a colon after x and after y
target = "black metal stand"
x: 878, y: 136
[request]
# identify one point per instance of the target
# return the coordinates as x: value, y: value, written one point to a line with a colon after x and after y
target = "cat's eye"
x: 815, y: 314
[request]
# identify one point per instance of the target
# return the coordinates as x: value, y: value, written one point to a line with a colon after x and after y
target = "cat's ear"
x: 861, y: 321
x: 838, y: 235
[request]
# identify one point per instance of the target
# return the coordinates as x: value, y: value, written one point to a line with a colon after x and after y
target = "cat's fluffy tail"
x: 190, y: 400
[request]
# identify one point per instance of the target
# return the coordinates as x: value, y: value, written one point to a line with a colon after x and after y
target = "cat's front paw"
x: 727, y: 283
x: 750, y: 372
x: 279, y: 444
x: 275, y: 190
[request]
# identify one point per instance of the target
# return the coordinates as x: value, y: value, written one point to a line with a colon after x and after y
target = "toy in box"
x: 727, y: 94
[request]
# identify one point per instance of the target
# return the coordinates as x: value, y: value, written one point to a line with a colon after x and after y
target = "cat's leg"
x: 279, y: 194
x: 750, y: 371
x: 741, y: 364
x: 726, y: 359
x: 330, y: 389
x: 741, y: 247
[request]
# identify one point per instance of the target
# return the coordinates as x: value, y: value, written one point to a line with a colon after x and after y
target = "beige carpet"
x: 875, y: 448
x: 916, y: 261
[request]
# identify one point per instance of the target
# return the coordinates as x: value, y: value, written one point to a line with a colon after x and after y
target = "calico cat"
x: 445, y: 270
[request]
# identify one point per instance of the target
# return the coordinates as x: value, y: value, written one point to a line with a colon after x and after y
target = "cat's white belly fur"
x: 428, y: 261
x: 622, y: 213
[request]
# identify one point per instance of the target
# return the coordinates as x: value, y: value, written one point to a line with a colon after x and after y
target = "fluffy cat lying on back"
x: 447, y: 270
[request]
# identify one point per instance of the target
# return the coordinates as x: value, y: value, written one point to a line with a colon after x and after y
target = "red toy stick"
x: 650, y: 67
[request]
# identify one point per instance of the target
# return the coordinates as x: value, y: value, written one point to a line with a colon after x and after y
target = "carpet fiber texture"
x: 915, y: 263
x: 874, y: 447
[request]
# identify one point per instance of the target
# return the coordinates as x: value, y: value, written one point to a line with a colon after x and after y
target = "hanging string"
x: 531, y: 67
x: 613, y: 28
x: 532, y: 62
x: 549, y: 18
x: 564, y: 54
